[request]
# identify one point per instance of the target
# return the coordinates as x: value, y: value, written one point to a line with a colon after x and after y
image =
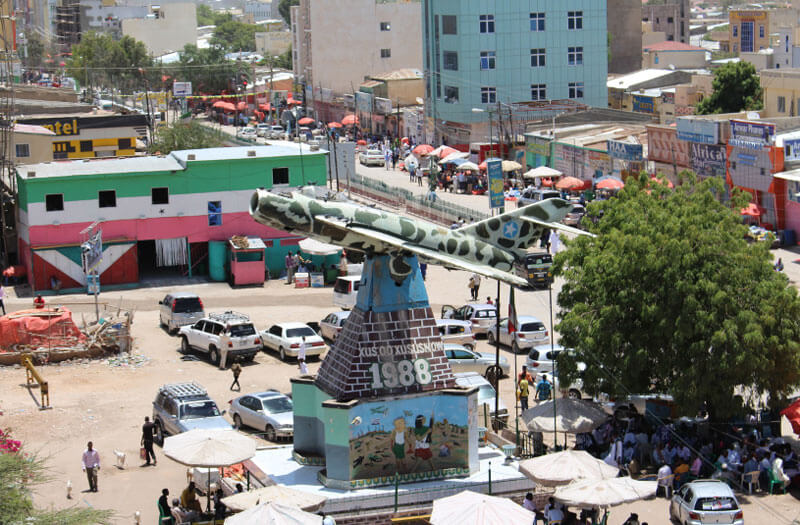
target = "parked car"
x: 464, y: 360
x: 481, y: 316
x: 486, y: 394
x: 456, y: 332
x: 541, y: 357
x: 276, y: 132
x: 371, y: 157
x: 179, y: 309
x: 529, y: 332
x: 269, y: 411
x: 332, y: 324
x: 574, y: 215
x: 285, y: 338
x: 705, y: 501
x: 179, y: 407
x: 223, y: 336
x: 262, y: 130
x: 531, y: 195
x: 345, y: 291
x: 247, y: 133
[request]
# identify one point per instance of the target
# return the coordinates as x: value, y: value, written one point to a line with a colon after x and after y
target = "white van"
x: 345, y: 291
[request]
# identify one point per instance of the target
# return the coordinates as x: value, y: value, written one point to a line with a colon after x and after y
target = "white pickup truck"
x: 285, y: 338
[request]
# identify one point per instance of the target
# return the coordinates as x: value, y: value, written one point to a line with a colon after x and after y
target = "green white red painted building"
x: 152, y: 210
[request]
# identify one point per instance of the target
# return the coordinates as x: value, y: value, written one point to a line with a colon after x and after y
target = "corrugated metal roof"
x: 399, y: 74
x: 645, y: 75
x: 671, y: 45
x: 242, y: 152
x: 32, y: 129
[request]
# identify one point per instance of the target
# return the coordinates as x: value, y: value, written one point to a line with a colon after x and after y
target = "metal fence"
x: 438, y: 210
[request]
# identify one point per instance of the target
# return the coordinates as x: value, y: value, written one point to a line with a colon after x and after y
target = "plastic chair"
x: 164, y: 517
x: 750, y: 479
x: 775, y: 481
x: 667, y: 482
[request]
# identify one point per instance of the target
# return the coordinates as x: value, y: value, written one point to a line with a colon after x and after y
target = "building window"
x: 386, y: 53
x: 537, y: 57
x: 54, y: 202
x: 450, y: 59
x: 107, y: 198
x: 576, y: 90
x: 538, y: 92
x: 450, y: 94
x: 488, y: 60
x: 23, y: 150
x: 735, y: 48
x: 748, y: 36
x: 280, y: 176
x: 215, y: 213
x: 575, y: 56
x: 537, y: 21
x: 386, y: 26
x: 574, y: 19
x: 488, y: 95
x: 86, y: 146
x: 159, y: 196
x: 487, y: 23
x: 781, y: 104
x: 761, y: 31
x: 735, y: 31
x: 449, y: 25
x: 670, y: 20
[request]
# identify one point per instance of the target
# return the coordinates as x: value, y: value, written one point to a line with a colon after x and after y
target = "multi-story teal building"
x: 478, y: 53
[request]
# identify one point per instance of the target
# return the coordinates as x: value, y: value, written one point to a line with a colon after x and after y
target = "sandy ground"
x: 107, y: 404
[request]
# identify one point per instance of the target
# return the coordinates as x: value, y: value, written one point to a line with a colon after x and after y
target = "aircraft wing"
x: 380, y: 238
x: 557, y: 226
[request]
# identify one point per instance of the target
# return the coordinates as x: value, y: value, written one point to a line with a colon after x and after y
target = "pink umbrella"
x: 241, y: 106
x: 361, y: 142
x: 569, y: 183
x: 334, y: 125
x: 349, y: 120
x: 305, y: 121
x: 444, y: 151
x: 422, y: 150
x: 662, y: 181
x: 610, y: 184
x: 751, y: 210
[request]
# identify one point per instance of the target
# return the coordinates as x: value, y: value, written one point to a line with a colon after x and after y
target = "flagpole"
x: 497, y: 371
x: 555, y: 392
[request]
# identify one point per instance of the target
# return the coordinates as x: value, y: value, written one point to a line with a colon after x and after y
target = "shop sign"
x: 642, y: 104
x: 703, y: 131
x: 752, y: 135
x: 708, y: 160
x: 624, y: 150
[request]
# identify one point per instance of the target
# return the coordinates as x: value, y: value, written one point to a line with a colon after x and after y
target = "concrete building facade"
x: 781, y: 92
x: 671, y: 18
x: 167, y: 29
x: 478, y: 56
x: 624, y: 19
x: 338, y: 43
x: 673, y: 55
x: 749, y: 29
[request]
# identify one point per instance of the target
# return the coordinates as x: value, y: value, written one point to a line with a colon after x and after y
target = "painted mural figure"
x: 399, y: 442
x: 422, y: 442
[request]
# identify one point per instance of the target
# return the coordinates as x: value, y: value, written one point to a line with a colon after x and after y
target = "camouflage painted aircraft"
x: 490, y: 247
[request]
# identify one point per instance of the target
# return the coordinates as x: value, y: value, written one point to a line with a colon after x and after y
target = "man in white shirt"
x: 90, y: 462
x: 301, y: 357
x: 475, y: 284
x: 665, y: 479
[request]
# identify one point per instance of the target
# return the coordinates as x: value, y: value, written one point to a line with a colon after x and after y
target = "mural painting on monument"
x: 414, y: 435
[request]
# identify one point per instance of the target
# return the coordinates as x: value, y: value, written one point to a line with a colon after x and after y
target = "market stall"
x: 247, y: 265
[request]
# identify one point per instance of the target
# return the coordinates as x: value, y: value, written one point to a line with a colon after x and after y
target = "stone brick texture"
x: 345, y: 373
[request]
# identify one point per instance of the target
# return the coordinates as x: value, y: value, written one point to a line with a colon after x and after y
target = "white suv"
x: 222, y: 335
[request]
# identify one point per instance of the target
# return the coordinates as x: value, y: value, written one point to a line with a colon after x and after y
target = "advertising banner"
x: 494, y: 169
x: 708, y: 160
x: 363, y: 101
x: 383, y: 105
x: 750, y: 169
x: 698, y: 130
x: 791, y: 149
x: 642, y: 104
x: 625, y: 150
x: 752, y: 135
x: 663, y: 146
x: 181, y: 89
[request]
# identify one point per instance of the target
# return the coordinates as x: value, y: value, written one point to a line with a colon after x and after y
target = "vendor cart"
x: 247, y: 264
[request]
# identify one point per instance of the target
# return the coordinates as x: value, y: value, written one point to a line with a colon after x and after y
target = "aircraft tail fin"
x: 510, y: 230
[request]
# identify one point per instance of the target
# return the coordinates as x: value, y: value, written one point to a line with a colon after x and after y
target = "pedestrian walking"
x: 2, y: 298
x: 423, y: 269
x: 90, y: 462
x: 301, y: 357
x: 291, y: 264
x: 236, y: 369
x: 543, y: 389
x: 148, y: 431
x: 395, y: 156
x: 474, y: 285
x: 523, y: 393
x: 412, y: 171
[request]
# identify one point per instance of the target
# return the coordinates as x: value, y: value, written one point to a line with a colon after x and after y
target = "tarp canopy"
x: 605, y: 492
x: 43, y: 327
x: 314, y: 247
x: 472, y: 508
x: 541, y: 171
x: 792, y: 413
x: 569, y: 415
x: 565, y: 467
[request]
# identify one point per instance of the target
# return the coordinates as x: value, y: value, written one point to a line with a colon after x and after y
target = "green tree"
x: 284, y: 7
x: 99, y: 60
x: 232, y: 36
x: 207, y: 69
x: 208, y: 17
x: 669, y: 298
x: 184, y: 135
x: 284, y: 60
x: 736, y: 88
x: 19, y: 473
x: 35, y: 49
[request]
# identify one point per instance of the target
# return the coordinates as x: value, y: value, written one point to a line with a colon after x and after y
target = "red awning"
x: 792, y: 413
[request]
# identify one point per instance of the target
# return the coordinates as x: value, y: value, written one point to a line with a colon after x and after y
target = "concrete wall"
x: 781, y: 92
x: 678, y: 59
x: 176, y: 27
x: 759, y: 60
x: 273, y: 43
x: 624, y: 18
x: 671, y: 18
x: 40, y: 147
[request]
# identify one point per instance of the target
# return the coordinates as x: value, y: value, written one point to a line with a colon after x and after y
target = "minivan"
x: 531, y: 195
x: 345, y: 291
x: 180, y: 309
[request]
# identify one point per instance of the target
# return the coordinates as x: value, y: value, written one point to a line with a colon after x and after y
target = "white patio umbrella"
x: 572, y: 416
x: 605, y: 492
x: 411, y: 159
x: 315, y: 247
x: 209, y: 449
x: 564, y: 467
x: 510, y: 165
x: 541, y: 171
x: 456, y: 155
x: 274, y: 514
x: 471, y: 166
x: 282, y: 494
x: 472, y: 508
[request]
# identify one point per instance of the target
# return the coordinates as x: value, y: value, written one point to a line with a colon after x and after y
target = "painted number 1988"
x: 400, y: 373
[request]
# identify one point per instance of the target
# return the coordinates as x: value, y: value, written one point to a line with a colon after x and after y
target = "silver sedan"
x: 270, y: 412
x: 463, y: 360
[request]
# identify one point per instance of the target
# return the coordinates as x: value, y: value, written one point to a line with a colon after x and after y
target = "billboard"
x: 92, y: 252
x: 753, y: 135
x: 363, y: 101
x: 181, y: 89
x: 642, y: 104
x: 383, y: 105
x: 708, y: 160
x: 703, y: 131
x: 791, y: 149
x: 624, y: 150
x: 496, y: 196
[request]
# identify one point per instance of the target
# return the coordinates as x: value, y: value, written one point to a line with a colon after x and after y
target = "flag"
x: 512, y: 313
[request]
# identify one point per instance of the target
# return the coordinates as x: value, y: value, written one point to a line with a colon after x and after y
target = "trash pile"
x: 126, y: 360
x: 240, y: 241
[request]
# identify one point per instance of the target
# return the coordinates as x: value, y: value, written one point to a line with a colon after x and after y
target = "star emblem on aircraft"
x: 510, y: 230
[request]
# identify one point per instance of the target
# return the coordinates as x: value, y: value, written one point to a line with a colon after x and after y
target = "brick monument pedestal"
x: 385, y: 402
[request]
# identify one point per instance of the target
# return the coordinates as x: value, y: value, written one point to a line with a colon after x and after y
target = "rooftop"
x: 31, y: 129
x: 399, y: 74
x: 639, y: 77
x: 671, y: 46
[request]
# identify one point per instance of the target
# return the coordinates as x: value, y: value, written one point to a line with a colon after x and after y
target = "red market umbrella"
x: 610, y: 184
x: 265, y: 107
x: 241, y: 106
x: 334, y: 125
x: 792, y: 413
x: 292, y: 102
x: 547, y: 182
x: 228, y: 106
x: 752, y: 210
x: 444, y: 151
x: 350, y: 120
x: 218, y: 104
x: 482, y: 165
x: 362, y: 142
x: 305, y: 121
x: 570, y: 183
x: 422, y: 150
x: 663, y: 181
x: 404, y: 140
